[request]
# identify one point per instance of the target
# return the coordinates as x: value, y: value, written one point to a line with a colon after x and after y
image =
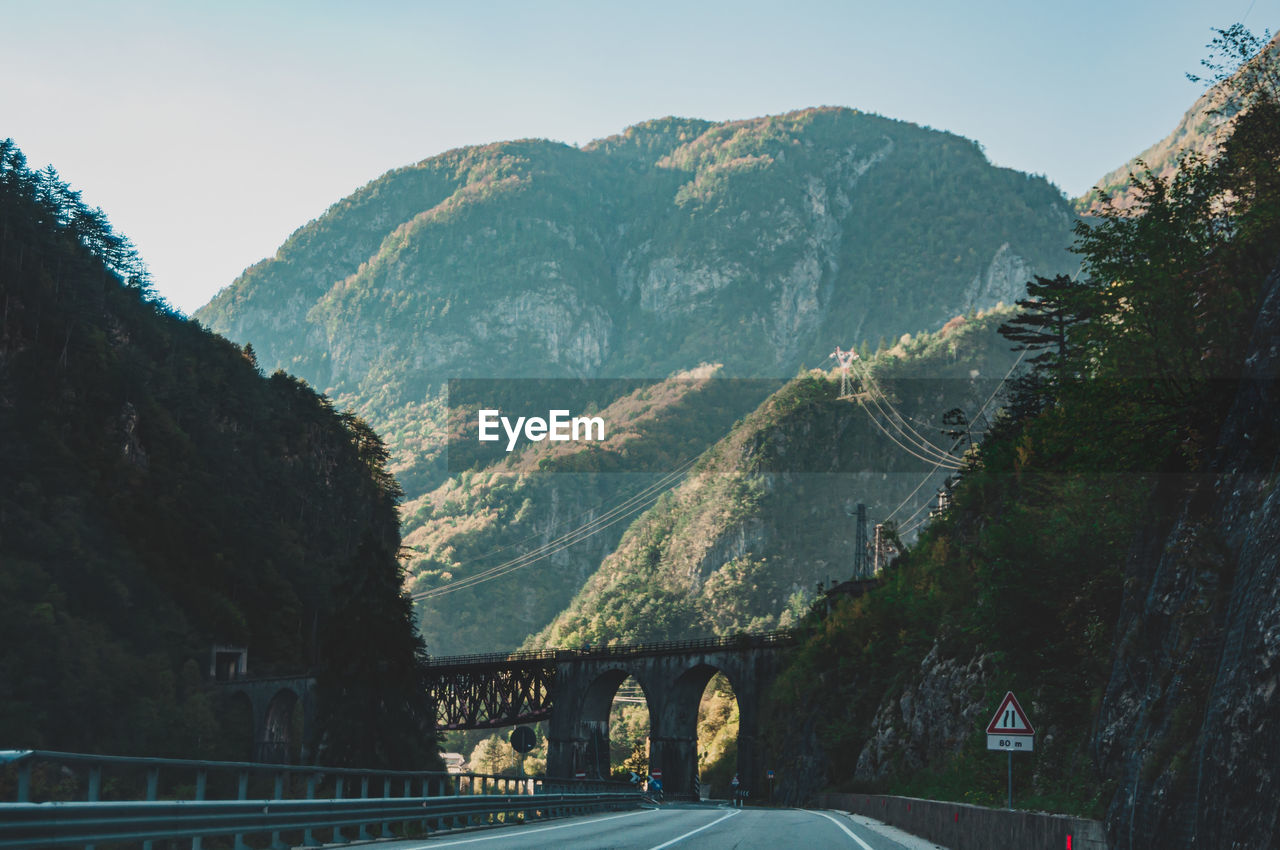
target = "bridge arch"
x: 592, y: 708
x: 283, y: 714
x: 276, y: 734
x: 679, y: 721
x: 674, y: 677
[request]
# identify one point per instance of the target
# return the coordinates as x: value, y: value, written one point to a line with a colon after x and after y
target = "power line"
x: 938, y: 466
x: 899, y: 422
x: 629, y: 507
x: 621, y: 512
x: 487, y: 555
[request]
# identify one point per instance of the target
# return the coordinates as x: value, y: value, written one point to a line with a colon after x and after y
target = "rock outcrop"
x: 1190, y: 725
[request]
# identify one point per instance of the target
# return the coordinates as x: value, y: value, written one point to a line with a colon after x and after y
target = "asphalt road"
x: 678, y: 826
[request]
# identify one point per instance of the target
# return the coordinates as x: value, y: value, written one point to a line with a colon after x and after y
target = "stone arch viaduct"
x: 271, y: 702
x: 574, y: 690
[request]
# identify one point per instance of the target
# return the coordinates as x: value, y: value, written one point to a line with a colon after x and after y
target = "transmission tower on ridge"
x: 844, y: 359
x: 860, y: 566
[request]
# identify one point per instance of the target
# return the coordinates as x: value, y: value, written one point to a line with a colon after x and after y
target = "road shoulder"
x: 906, y: 839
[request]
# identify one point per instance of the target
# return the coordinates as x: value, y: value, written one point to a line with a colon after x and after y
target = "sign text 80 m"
x: 557, y: 426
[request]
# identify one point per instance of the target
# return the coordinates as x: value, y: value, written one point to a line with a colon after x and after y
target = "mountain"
x: 758, y: 245
x: 158, y: 497
x: 755, y: 244
x: 765, y: 515
x: 519, y: 533
x: 1200, y: 132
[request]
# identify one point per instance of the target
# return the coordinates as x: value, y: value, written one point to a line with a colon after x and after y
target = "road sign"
x: 523, y: 739
x: 656, y: 773
x: 734, y: 783
x: 1009, y: 729
x: 770, y: 772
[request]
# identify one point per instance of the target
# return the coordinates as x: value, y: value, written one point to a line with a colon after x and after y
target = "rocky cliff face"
x: 929, y: 720
x: 757, y: 244
x: 1190, y: 727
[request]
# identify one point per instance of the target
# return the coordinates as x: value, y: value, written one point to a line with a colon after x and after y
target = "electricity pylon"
x: 844, y: 359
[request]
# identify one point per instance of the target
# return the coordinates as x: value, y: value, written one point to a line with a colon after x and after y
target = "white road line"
x: 680, y: 838
x: 507, y: 834
x: 849, y: 832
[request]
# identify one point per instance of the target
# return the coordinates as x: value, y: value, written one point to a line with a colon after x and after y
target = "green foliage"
x: 718, y: 736
x: 1025, y: 569
x: 534, y: 497
x: 158, y: 496
x: 761, y: 519
x: 755, y: 244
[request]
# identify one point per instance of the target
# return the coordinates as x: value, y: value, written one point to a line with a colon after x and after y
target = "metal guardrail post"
x: 202, y: 785
x: 309, y: 837
x: 153, y: 789
x: 363, y: 833
x: 242, y: 793
x: 24, y: 781
x: 337, y: 795
x: 276, y: 843
x: 95, y: 789
x: 386, y: 793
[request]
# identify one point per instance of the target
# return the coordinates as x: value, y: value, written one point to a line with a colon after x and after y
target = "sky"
x: 209, y: 132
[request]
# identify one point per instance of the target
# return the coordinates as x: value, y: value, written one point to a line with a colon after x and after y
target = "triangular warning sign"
x: 1010, y: 719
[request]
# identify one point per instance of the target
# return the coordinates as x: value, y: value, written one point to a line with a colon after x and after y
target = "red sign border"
x: 1009, y: 698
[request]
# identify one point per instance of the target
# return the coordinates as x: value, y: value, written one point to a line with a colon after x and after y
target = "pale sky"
x: 209, y: 132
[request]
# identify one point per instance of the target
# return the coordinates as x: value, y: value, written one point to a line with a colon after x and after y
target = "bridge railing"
x: 782, y: 637
x: 53, y: 799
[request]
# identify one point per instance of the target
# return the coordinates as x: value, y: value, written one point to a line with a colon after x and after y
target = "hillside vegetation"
x: 1062, y: 520
x: 758, y: 245
x: 521, y: 534
x: 158, y: 495
x: 1201, y: 131
x: 765, y: 514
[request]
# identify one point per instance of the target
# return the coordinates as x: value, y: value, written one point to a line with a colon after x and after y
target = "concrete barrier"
x: 959, y: 826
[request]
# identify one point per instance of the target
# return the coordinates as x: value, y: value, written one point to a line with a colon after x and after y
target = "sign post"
x: 1010, y: 731
x: 523, y: 739
x: 770, y: 773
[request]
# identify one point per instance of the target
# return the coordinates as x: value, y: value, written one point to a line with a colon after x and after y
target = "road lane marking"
x: 849, y: 832
x: 680, y: 838
x: 503, y: 833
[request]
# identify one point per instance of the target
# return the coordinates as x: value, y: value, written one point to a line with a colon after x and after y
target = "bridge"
x: 574, y: 691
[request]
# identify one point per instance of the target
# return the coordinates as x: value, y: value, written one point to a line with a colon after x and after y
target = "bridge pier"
x: 677, y: 758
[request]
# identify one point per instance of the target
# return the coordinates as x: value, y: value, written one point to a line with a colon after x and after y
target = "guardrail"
x: 141, y: 810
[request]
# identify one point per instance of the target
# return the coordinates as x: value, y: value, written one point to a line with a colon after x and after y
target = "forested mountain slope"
x: 1201, y: 131
x: 158, y: 495
x: 757, y: 244
x: 1109, y: 555
x: 766, y: 514
x: 499, y: 550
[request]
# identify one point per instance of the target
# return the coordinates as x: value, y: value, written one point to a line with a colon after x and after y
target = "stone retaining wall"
x: 959, y: 826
